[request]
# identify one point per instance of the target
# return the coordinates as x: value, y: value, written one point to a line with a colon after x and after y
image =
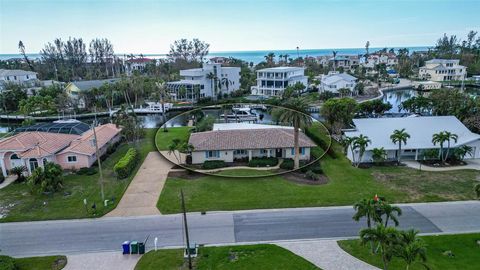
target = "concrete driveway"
x: 141, y: 196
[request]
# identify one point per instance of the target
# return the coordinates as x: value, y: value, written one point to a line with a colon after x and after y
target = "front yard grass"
x: 41, y: 263
x: 263, y: 257
x: 67, y: 204
x: 464, y: 248
x: 346, y: 185
x: 164, y: 139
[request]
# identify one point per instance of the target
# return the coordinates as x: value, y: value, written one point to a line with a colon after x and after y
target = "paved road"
x: 106, y: 234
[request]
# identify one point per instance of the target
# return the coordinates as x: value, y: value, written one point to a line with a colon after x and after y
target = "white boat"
x: 154, y: 107
x: 241, y: 114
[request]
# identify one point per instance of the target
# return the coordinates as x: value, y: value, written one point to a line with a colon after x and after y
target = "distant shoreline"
x: 252, y: 56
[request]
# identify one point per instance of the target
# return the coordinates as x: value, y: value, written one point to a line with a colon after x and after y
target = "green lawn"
x: 463, y: 246
x: 263, y: 257
x: 346, y: 185
x: 164, y: 139
x: 40, y: 263
x: 68, y: 203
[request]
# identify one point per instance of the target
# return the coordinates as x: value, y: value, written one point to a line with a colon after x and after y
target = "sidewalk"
x: 102, y: 261
x: 141, y: 196
x: 472, y: 165
x: 326, y: 254
x: 10, y: 179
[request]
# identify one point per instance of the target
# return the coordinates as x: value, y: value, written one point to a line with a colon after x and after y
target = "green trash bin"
x: 141, y: 248
x: 134, y: 247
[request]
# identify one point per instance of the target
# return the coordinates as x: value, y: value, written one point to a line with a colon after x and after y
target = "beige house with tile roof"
x: 231, y: 144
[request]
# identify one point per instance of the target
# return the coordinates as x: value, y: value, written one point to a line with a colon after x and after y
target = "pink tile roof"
x: 83, y: 144
x: 36, y: 144
x: 247, y: 139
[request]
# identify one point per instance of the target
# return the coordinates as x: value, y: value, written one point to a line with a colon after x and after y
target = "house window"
x: 240, y: 152
x: 212, y: 154
x: 44, y: 161
x: 72, y: 159
x: 33, y: 164
x: 263, y: 151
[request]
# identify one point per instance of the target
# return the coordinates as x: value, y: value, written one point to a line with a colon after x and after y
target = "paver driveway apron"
x: 141, y: 196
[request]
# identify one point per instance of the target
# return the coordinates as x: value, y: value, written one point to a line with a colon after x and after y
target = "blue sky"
x: 149, y: 26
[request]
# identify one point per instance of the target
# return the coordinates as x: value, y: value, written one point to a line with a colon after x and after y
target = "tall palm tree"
x: 391, y: 212
x: 163, y: 95
x: 386, y: 237
x: 348, y: 144
x: 367, y: 208
x: 334, y: 60
x: 211, y: 76
x: 361, y: 142
x: 226, y: 82
x: 399, y: 136
x: 411, y: 249
x: 441, y: 138
x: 296, y: 113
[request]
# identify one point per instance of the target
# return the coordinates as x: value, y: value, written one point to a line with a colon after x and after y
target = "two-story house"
x: 439, y: 70
x: 272, y: 81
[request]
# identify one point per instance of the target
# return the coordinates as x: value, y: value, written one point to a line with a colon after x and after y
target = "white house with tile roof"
x: 229, y: 144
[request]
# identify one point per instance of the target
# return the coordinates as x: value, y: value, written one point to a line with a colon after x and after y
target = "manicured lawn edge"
x: 463, y: 246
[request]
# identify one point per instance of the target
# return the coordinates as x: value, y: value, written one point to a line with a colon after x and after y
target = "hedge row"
x: 126, y: 164
x: 318, y: 140
x: 213, y: 164
x: 287, y: 164
x: 263, y: 162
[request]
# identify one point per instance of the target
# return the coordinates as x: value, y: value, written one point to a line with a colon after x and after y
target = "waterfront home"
x: 74, y: 88
x: 439, y: 70
x: 17, y: 76
x: 389, y: 59
x: 230, y: 144
x: 335, y: 81
x: 420, y: 129
x: 219, y: 60
x: 137, y: 64
x: 209, y: 81
x: 33, y: 149
x: 346, y: 62
x: 272, y: 81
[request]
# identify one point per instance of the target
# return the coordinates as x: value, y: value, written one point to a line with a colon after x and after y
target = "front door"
x: 278, y: 152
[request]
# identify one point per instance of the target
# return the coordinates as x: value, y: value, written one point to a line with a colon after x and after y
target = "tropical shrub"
x: 46, y: 179
x: 312, y: 176
x: 287, y: 164
x: 124, y: 167
x: 263, y: 162
x: 19, y: 170
x: 7, y: 263
x: 213, y: 164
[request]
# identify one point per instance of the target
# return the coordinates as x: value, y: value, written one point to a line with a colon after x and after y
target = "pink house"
x: 33, y: 149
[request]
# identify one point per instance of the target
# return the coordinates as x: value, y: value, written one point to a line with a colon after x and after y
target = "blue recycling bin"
x: 126, y: 247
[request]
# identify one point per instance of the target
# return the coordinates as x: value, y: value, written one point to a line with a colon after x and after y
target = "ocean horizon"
x: 255, y: 56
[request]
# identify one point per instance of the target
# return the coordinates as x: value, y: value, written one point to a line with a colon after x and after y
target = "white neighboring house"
x: 345, y: 61
x: 426, y: 85
x: 336, y: 81
x: 272, y: 81
x: 210, y: 80
x: 136, y: 64
x: 439, y: 70
x: 420, y: 129
x: 233, y: 141
x: 17, y: 76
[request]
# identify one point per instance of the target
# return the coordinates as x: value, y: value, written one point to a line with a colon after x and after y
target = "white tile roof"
x: 421, y: 129
x: 15, y: 72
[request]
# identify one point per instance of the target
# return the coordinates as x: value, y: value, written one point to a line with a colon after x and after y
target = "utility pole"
x: 186, y: 230
x: 97, y: 153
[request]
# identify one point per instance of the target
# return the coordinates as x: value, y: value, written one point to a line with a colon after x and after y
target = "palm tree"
x: 367, y: 208
x: 296, y: 113
x: 226, y: 82
x: 334, y: 60
x: 173, y: 147
x: 211, y: 76
x: 386, y: 237
x: 361, y: 142
x: 411, y: 249
x: 270, y: 58
x: 379, y: 154
x: 462, y: 151
x: 391, y: 212
x: 163, y: 94
x: 441, y: 138
x: 399, y: 136
x: 348, y: 144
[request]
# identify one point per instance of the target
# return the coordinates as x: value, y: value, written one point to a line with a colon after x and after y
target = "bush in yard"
x: 312, y: 176
x: 46, y: 179
x: 320, y: 142
x: 87, y: 171
x: 263, y: 162
x: 19, y: 170
x: 7, y: 263
x: 124, y: 167
x: 287, y: 164
x: 213, y: 164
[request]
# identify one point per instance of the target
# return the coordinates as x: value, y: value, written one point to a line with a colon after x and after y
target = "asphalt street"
x: 107, y: 234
